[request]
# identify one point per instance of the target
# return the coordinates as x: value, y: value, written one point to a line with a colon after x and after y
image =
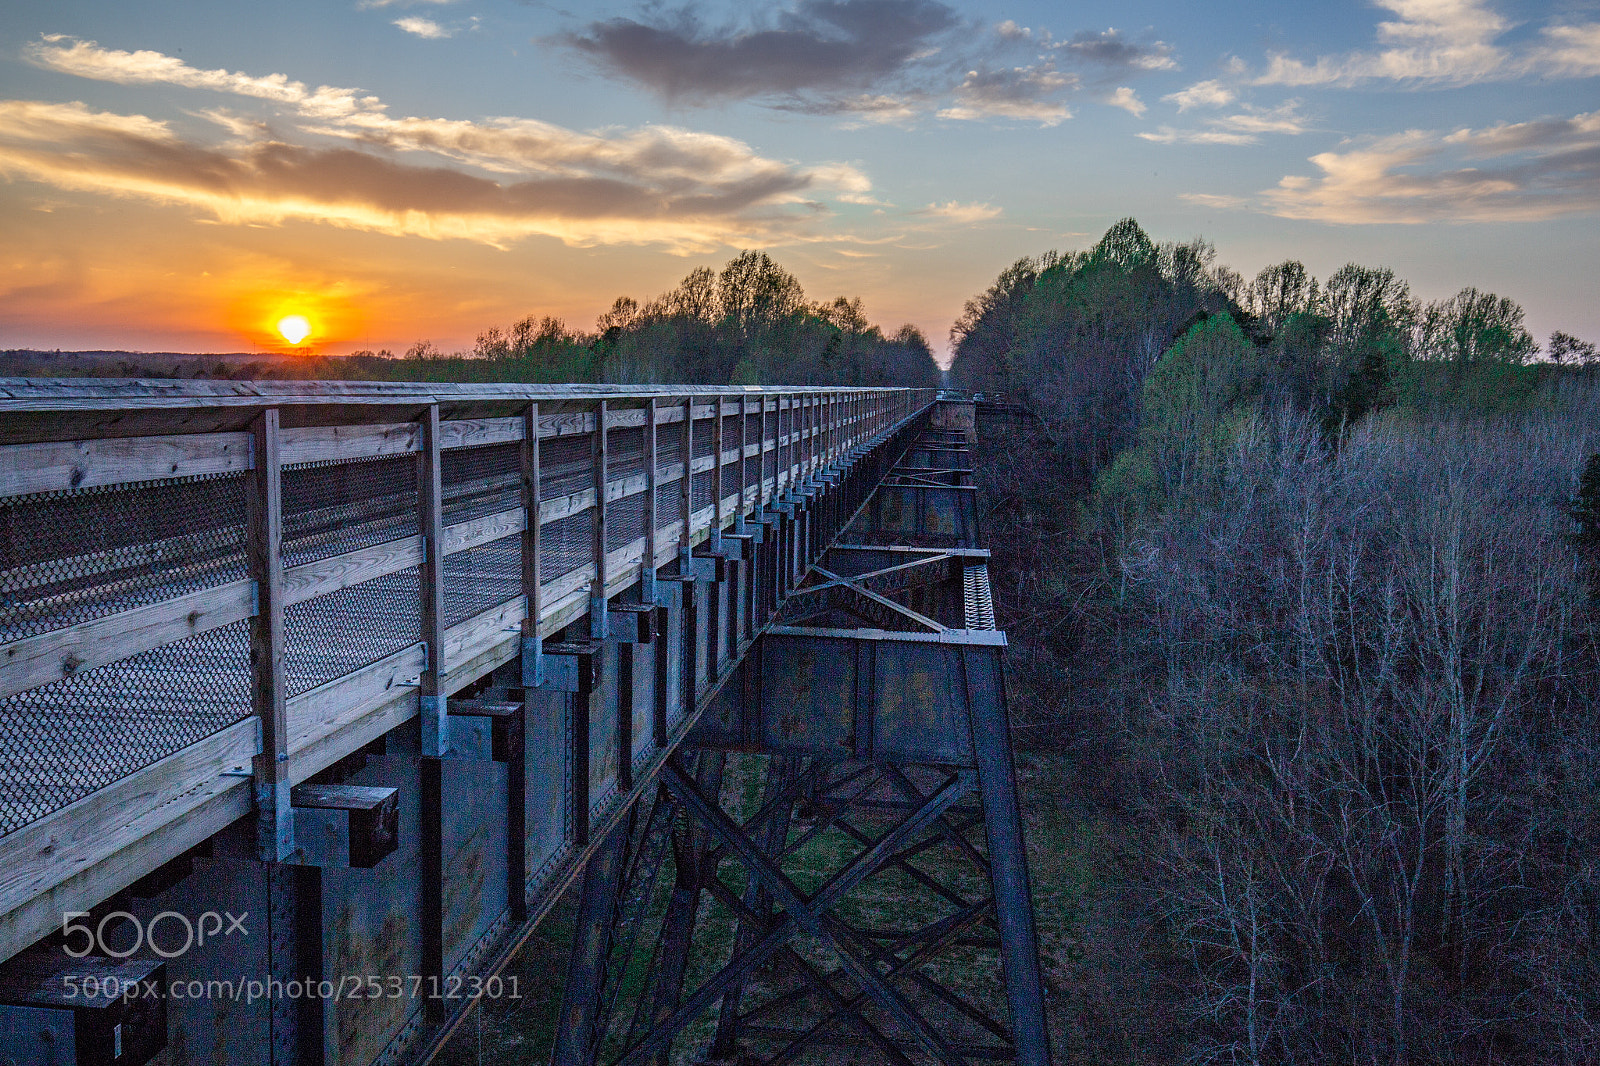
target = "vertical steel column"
x: 624, y: 720
x: 294, y: 946
x: 578, y: 750
x: 1008, y: 865
x: 430, y: 504
x: 268, y: 689
x: 430, y: 876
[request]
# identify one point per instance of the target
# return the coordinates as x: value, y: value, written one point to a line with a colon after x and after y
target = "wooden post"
x: 786, y: 451
x: 597, y: 593
x: 268, y: 688
x: 685, y: 497
x: 717, y: 443
x: 744, y: 474
x: 763, y: 496
x: 532, y: 658
x: 430, y: 504
x: 647, y: 572
x: 813, y: 426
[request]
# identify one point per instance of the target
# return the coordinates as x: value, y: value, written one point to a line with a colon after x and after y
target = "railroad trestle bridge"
x: 309, y: 682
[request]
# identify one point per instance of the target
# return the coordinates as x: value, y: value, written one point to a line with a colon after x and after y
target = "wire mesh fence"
x: 566, y: 545
x: 337, y: 634
x: 625, y: 455
x: 78, y: 555
x: 481, y: 481
x: 330, y: 507
x: 63, y: 740
x: 625, y: 521
x: 481, y: 578
x: 565, y: 466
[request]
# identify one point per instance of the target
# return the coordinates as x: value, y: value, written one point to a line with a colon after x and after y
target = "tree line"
x: 1303, y: 579
x: 747, y: 324
x: 1075, y: 335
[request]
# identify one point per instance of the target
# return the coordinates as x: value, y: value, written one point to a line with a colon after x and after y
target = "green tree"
x: 1474, y: 327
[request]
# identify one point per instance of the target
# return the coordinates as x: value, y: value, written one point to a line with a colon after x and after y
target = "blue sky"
x: 178, y: 174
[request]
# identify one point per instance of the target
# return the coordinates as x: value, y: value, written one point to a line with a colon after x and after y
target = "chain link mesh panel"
x: 73, y: 556
x: 752, y: 465
x: 700, y: 492
x: 482, y: 578
x: 624, y: 521
x: 334, y: 507
x: 565, y: 545
x: 341, y: 632
x: 481, y: 481
x: 669, y: 446
x: 565, y: 466
x: 625, y: 455
x: 61, y: 741
x: 669, y: 453
x: 705, y: 432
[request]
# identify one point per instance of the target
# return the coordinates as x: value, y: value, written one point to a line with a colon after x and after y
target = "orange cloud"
x: 494, y: 180
x: 73, y: 147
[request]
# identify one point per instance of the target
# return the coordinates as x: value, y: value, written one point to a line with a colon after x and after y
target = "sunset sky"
x: 181, y: 176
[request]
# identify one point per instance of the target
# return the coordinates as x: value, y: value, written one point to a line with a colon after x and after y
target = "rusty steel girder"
x: 847, y: 864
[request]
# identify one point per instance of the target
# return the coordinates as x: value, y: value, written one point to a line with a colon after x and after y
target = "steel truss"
x: 853, y: 904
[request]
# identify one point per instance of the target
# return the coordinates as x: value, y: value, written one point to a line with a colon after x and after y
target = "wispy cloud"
x: 1030, y: 94
x: 1567, y: 51
x: 862, y: 109
x: 1169, y: 135
x: 1519, y: 172
x: 1446, y: 42
x: 687, y: 189
x: 1128, y: 100
x: 1244, y: 126
x: 1210, y: 93
x: 951, y: 211
x: 1284, y: 119
x: 1215, y: 201
x: 369, y: 5
x: 422, y: 27
x: 1112, y: 49
x: 86, y: 59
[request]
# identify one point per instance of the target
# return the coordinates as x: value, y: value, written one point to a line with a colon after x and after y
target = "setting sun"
x: 294, y: 328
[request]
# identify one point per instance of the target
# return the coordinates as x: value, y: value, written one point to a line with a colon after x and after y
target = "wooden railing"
x: 157, y: 663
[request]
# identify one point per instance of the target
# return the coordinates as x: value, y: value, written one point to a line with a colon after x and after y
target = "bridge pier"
x: 884, y: 862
